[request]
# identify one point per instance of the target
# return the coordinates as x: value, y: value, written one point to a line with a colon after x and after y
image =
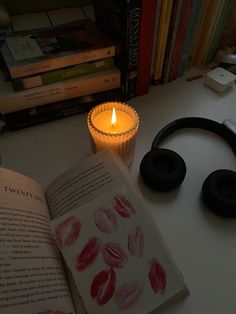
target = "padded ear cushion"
x: 162, y: 169
x: 219, y: 192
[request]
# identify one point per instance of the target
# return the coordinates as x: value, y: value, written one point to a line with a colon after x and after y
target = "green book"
x: 75, y: 71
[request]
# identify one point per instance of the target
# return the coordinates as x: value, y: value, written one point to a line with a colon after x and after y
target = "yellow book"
x: 166, y: 10
x: 205, y: 31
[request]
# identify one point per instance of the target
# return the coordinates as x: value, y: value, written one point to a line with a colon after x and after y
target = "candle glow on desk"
x: 114, y: 125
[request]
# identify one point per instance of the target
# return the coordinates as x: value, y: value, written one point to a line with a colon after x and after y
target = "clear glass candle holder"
x: 121, y: 136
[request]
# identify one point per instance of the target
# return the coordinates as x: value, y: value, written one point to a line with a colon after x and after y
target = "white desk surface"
x: 203, y: 244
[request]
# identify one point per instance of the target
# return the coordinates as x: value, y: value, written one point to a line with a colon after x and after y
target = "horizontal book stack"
x: 61, y: 67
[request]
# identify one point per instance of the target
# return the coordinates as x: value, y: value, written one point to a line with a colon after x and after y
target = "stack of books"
x: 55, y: 71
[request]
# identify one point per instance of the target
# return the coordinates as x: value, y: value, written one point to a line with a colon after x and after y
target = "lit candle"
x: 114, y: 125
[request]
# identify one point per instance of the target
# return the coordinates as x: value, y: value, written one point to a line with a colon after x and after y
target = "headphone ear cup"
x: 219, y: 192
x: 162, y: 169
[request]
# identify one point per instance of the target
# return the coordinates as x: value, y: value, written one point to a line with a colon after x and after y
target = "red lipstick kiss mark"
x: 128, y: 295
x: 103, y: 286
x: 157, y: 276
x: 123, y: 206
x: 114, y: 255
x: 88, y: 254
x: 136, y: 241
x: 105, y: 220
x: 67, y: 232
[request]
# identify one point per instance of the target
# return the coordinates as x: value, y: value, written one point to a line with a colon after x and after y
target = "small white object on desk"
x: 114, y: 125
x: 220, y: 79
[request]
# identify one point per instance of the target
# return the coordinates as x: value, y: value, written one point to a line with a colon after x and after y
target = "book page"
x: 84, y: 182
x: 111, y: 245
x: 32, y: 278
x: 96, y: 203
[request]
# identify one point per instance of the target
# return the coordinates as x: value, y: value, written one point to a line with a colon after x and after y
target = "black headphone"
x: 164, y: 170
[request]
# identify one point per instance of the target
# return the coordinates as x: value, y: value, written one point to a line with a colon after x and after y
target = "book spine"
x: 189, y: 36
x: 59, y: 110
x: 205, y: 31
x: 180, y: 38
x: 156, y: 30
x: 120, y: 20
x: 60, y: 91
x: 219, y: 30
x: 63, y: 74
x: 174, y: 24
x: 123, y: 43
x: 166, y: 10
x: 212, y: 30
x: 111, y: 18
x: 133, y: 24
x: 148, y: 21
x: 60, y: 62
x: 197, y: 33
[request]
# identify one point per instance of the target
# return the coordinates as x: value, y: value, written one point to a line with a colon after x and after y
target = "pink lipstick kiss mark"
x: 157, y: 276
x: 105, y: 220
x: 67, y: 232
x: 103, y: 286
x: 136, y: 241
x: 128, y: 295
x: 88, y: 254
x: 114, y: 255
x: 123, y: 206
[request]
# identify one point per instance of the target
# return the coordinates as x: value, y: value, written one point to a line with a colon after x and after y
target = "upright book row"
x: 188, y: 33
x: 161, y: 39
x: 69, y: 63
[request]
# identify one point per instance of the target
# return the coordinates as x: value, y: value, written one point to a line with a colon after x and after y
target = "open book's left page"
x: 32, y: 278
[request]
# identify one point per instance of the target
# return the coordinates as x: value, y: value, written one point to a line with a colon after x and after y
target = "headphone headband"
x: 199, y: 123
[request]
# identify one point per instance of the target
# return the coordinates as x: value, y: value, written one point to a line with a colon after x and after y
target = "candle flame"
x: 113, y: 117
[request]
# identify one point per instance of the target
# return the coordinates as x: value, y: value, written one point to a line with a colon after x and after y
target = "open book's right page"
x: 110, y: 242
x: 115, y: 256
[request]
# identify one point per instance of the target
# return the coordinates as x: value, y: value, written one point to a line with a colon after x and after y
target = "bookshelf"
x: 177, y: 48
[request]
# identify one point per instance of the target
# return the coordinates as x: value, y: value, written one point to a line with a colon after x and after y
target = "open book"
x: 85, y: 245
